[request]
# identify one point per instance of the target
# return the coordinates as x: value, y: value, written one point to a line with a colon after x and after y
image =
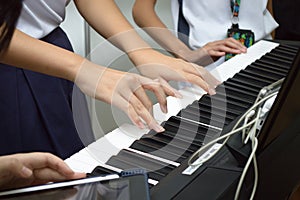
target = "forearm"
x: 107, y: 85
x: 32, y: 54
x: 106, y: 18
x: 270, y: 6
x: 145, y: 16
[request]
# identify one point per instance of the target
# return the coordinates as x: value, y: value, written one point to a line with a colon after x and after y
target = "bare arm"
x: 105, y: 17
x: 270, y: 8
x: 36, y: 55
x: 145, y: 16
x: 94, y: 80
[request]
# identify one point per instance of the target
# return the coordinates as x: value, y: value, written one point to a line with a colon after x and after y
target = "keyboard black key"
x: 250, y: 80
x: 166, y: 138
x: 168, y: 147
x: 267, y: 70
x: 281, y: 56
x: 240, y: 90
x: 288, y: 48
x: 220, y: 101
x: 203, y: 117
x: 243, y: 86
x: 184, y: 134
x: 145, y: 162
x: 261, y: 74
x: 229, y: 113
x: 226, y: 107
x: 100, y: 170
x: 154, y: 149
x: 227, y: 93
x: 190, y: 126
x: 122, y: 164
x: 241, y: 81
x: 269, y: 62
x: 256, y: 77
x: 284, y: 53
x: 189, y: 131
x: 214, y: 114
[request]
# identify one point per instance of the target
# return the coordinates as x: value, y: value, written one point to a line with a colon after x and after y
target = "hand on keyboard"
x: 219, y: 48
x: 158, y: 66
x: 19, y: 170
x: 124, y: 90
x: 212, y: 51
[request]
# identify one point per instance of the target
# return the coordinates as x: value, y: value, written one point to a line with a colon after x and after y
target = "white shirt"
x: 209, y: 19
x: 39, y: 17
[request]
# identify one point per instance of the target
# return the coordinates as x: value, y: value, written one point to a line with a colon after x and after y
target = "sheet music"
x: 101, y: 150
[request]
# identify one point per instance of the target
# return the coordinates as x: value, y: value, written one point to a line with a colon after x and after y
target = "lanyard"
x: 235, y: 9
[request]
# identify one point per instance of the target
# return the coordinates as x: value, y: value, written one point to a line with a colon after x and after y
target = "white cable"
x: 261, y: 93
x: 234, y: 130
x: 213, y: 142
x: 237, y: 193
x: 252, y: 155
x: 253, y: 107
x: 255, y: 177
x: 251, y: 114
x: 254, y: 140
x: 252, y: 131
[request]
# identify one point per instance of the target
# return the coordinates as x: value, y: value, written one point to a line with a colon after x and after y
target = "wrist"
x: 185, y: 54
x: 88, y: 76
x: 138, y: 56
x: 73, y: 67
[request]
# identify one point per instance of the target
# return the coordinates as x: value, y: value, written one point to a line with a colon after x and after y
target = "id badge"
x: 246, y: 37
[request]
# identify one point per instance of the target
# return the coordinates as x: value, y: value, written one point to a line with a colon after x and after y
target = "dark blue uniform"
x: 36, y: 109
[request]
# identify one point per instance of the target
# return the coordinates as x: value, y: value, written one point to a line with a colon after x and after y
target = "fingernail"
x: 212, y: 91
x: 178, y: 94
x: 158, y: 128
x: 164, y: 108
x: 151, y: 111
x: 79, y: 175
x: 26, y: 172
x: 141, y: 125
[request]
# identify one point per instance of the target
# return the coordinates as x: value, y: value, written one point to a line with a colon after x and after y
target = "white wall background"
x: 74, y: 26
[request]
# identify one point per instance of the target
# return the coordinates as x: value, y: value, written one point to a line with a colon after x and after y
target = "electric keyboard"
x: 191, y: 122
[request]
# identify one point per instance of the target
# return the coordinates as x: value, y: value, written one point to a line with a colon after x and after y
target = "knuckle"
x: 189, y: 77
x: 131, y: 78
x: 203, y: 73
x: 130, y: 108
x: 148, y: 104
x: 139, y: 107
x: 155, y: 86
x: 13, y: 162
x: 133, y: 115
